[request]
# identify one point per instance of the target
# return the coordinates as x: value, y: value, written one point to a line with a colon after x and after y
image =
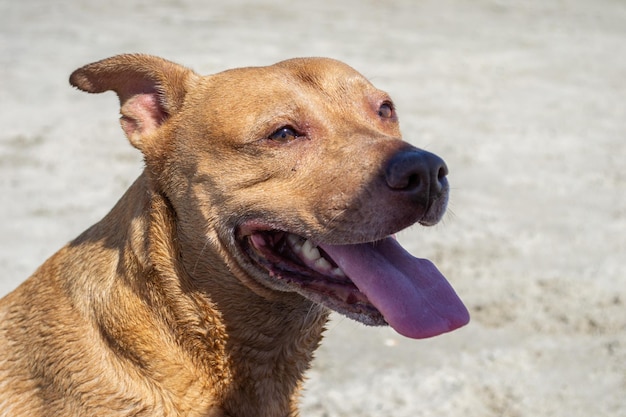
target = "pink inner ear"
x: 141, y: 115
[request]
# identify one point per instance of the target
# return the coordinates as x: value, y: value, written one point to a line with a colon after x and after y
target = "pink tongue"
x: 411, y: 293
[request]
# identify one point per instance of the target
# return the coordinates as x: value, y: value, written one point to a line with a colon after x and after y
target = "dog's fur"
x: 158, y: 309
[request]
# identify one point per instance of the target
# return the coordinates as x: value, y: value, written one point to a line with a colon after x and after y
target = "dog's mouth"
x: 376, y: 283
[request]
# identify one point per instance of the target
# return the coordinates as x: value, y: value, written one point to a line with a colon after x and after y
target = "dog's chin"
x: 284, y: 261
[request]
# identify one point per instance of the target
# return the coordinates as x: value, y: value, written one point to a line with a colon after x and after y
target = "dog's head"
x: 298, y: 175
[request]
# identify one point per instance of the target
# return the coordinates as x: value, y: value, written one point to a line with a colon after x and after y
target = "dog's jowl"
x: 270, y: 196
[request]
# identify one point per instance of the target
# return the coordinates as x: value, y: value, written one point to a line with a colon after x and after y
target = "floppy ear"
x: 150, y: 89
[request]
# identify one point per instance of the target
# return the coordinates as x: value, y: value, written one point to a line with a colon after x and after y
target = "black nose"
x: 421, y: 173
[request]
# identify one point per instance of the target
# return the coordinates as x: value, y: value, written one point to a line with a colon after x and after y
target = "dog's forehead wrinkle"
x: 334, y: 79
x: 342, y: 88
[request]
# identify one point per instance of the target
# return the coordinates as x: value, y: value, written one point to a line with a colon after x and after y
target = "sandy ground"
x: 524, y: 100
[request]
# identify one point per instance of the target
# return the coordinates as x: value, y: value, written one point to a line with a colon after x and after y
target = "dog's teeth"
x: 323, y: 264
x: 338, y: 272
x: 311, y: 254
x: 295, y: 242
x: 292, y: 239
x: 310, y: 251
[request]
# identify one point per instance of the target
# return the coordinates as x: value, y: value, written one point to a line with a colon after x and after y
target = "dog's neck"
x: 254, y: 350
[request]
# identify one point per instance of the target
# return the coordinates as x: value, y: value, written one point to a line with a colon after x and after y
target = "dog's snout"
x: 419, y: 172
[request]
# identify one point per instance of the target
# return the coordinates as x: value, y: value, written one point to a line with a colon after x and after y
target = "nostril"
x: 403, y: 174
x: 441, y: 181
x: 414, y: 181
x: 443, y: 171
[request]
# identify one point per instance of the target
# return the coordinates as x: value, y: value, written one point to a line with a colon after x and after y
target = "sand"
x: 524, y: 100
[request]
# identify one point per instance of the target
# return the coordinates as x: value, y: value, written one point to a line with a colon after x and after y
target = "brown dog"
x: 269, y: 196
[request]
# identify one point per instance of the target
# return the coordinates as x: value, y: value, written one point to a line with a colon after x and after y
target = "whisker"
x: 308, y: 313
x: 329, y: 226
x: 206, y: 243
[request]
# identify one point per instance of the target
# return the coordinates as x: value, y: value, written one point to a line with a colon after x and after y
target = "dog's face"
x: 298, y: 173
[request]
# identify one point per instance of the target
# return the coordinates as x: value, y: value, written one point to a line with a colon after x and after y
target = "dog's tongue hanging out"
x: 413, y: 296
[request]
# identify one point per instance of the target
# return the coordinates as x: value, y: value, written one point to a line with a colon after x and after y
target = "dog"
x: 270, y: 196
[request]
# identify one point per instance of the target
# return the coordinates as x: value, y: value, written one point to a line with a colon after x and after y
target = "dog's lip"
x: 250, y: 227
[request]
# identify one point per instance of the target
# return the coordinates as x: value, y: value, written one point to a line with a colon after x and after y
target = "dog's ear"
x: 150, y: 90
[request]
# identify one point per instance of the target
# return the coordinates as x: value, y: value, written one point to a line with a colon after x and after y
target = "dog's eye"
x: 284, y: 134
x: 386, y: 110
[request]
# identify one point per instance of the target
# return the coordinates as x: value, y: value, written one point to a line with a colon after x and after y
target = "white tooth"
x: 309, y: 251
x: 323, y: 264
x: 292, y: 238
x: 295, y: 242
x: 338, y: 272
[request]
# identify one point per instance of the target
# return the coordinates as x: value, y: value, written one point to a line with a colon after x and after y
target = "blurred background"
x: 524, y: 100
